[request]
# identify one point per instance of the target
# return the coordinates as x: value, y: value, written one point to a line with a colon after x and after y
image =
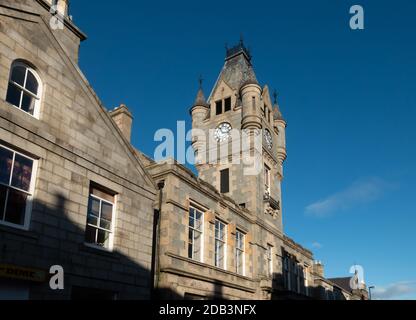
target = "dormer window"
x: 24, y: 89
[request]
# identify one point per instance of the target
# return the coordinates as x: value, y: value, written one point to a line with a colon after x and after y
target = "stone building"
x: 72, y: 190
x: 75, y: 193
x: 220, y: 232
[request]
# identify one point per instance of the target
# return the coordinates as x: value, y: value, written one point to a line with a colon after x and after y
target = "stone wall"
x: 75, y: 143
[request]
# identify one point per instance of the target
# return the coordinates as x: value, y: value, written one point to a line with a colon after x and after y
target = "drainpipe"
x: 155, y: 268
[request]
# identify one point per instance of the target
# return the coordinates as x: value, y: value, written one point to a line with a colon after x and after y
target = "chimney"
x: 123, y: 118
x: 62, y: 6
x: 318, y: 269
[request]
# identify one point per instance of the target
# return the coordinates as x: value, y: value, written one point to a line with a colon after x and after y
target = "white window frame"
x: 193, y: 234
x: 223, y: 241
x: 30, y: 193
x: 37, y: 97
x: 242, y: 251
x: 267, y: 182
x: 113, y: 222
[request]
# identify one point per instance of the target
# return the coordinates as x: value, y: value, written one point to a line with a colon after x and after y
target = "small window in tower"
x: 225, y: 181
x: 267, y: 180
x: 227, y: 104
x: 218, y: 106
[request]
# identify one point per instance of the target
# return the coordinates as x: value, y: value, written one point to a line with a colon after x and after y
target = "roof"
x: 237, y: 69
x: 343, y: 283
x: 200, y: 99
x: 277, y: 114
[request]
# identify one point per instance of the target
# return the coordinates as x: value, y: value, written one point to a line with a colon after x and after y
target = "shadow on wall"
x: 168, y: 294
x: 280, y: 292
x: 90, y: 273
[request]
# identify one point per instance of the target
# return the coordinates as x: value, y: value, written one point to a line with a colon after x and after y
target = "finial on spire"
x: 277, y: 114
x: 200, y: 80
x: 241, y: 39
x: 274, y: 96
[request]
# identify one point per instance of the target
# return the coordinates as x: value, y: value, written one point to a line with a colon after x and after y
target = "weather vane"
x: 200, y: 80
x: 275, y: 96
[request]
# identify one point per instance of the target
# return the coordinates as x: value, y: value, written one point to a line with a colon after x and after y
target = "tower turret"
x: 280, y: 125
x: 199, y: 111
x: 200, y: 107
x: 251, y: 97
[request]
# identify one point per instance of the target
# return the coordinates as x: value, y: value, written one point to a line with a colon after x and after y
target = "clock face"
x: 269, y: 139
x: 223, y: 132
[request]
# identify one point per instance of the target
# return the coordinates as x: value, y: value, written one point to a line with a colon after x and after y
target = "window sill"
x: 89, y: 248
x: 19, y: 231
x: 206, y: 265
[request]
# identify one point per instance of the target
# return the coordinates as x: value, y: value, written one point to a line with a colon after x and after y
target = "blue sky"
x: 349, y: 98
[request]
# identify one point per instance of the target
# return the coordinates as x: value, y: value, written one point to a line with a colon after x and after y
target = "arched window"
x: 24, y: 88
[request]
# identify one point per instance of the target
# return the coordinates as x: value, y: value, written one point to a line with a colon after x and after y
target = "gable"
x: 71, y: 114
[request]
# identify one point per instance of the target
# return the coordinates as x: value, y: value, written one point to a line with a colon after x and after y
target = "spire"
x: 277, y: 115
x: 200, y: 97
x: 237, y: 69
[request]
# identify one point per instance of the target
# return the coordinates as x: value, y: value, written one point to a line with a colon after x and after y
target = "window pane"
x: 107, y: 211
x: 16, y: 207
x: 197, y: 246
x: 13, y: 95
x: 103, y: 238
x: 198, y: 222
x: 239, y: 262
x: 3, y: 192
x: 94, y: 207
x: 22, y: 172
x: 105, y: 224
x: 227, y: 106
x: 18, y: 75
x: 191, y: 236
x: 190, y: 250
x: 28, y: 103
x: 31, y: 83
x: 219, y: 254
x: 90, y: 233
x: 218, y: 107
x: 225, y: 181
x: 6, y: 159
x: 223, y: 231
x: 92, y: 220
x: 191, y: 222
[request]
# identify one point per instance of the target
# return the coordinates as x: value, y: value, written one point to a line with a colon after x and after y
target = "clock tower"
x: 238, y: 104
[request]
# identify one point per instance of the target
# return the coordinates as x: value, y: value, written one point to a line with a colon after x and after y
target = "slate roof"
x: 343, y: 283
x: 200, y: 99
x: 237, y: 69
